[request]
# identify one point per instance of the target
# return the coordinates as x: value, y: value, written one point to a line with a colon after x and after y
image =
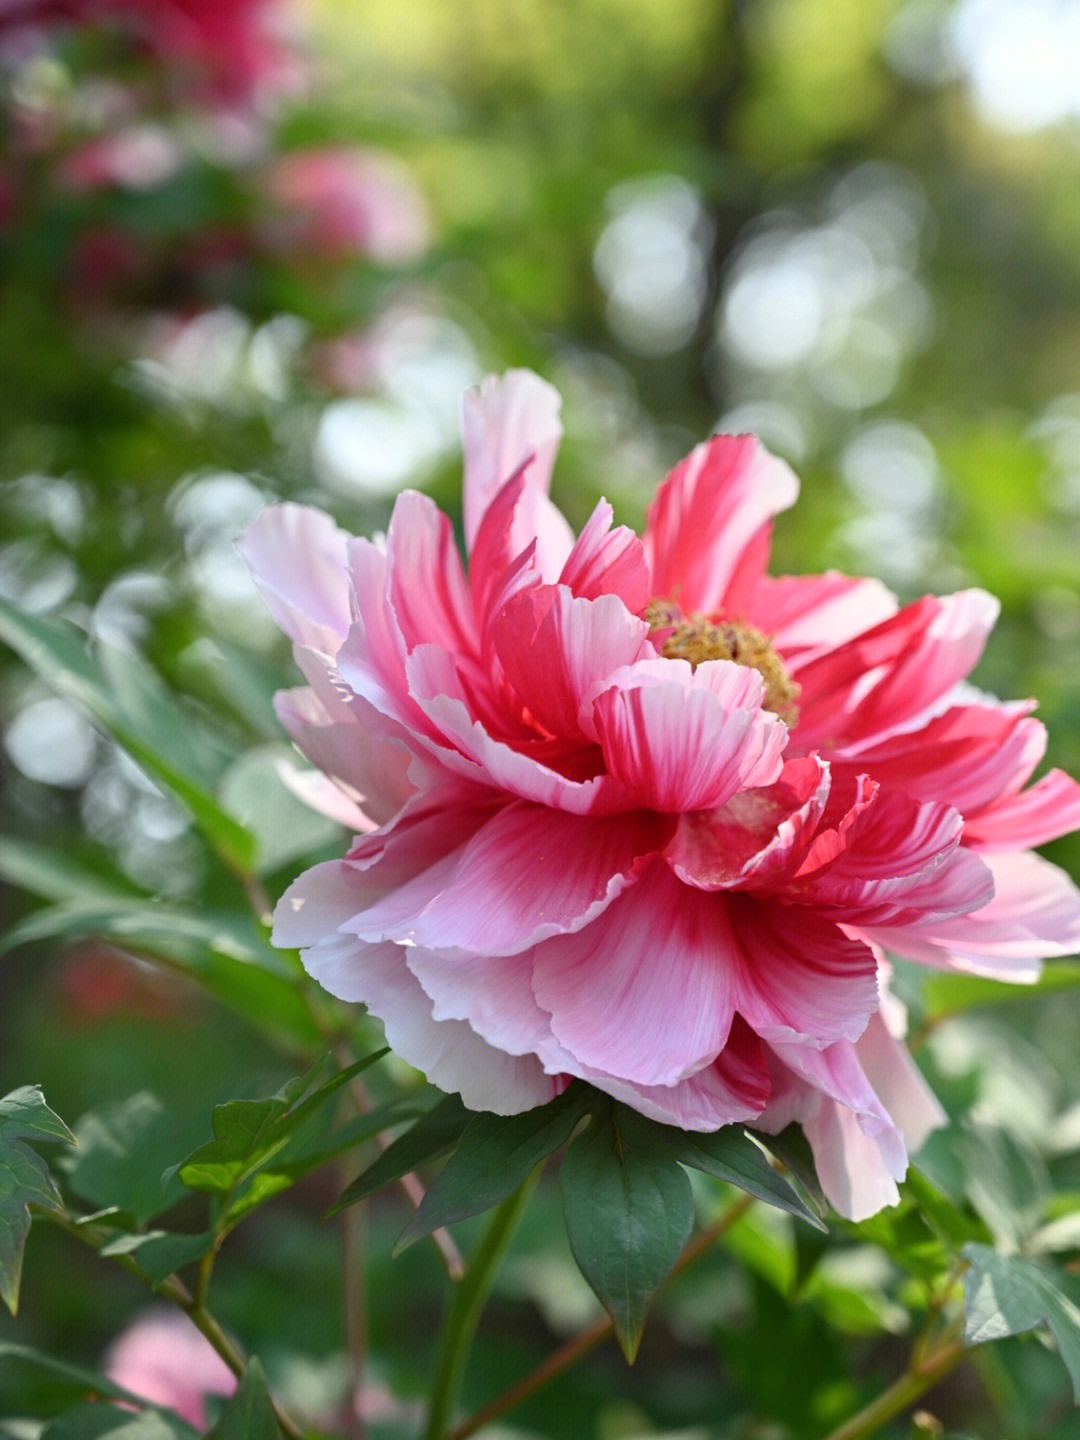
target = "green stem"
x: 469, y: 1295
x: 920, y: 1376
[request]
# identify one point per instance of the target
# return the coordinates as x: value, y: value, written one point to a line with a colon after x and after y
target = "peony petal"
x: 1048, y: 809
x: 879, y: 681
x: 899, y: 1084
x: 683, y: 739
x: 557, y: 650
x: 758, y: 837
x: 643, y: 993
x: 811, y: 613
x: 427, y: 588
x: 319, y: 902
x: 509, y: 423
x: 448, y: 1052
x: 608, y: 562
x: 297, y: 559
x: 714, y: 507
x: 525, y: 874
x: 797, y: 976
x: 1035, y: 913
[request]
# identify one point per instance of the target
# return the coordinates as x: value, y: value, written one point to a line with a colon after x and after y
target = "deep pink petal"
x: 427, y: 587
x: 525, y: 874
x: 644, y: 993
x: 508, y: 423
x: 797, y: 976
x: 297, y: 559
x: 608, y: 562
x: 557, y: 650
x: 714, y: 507
x: 1035, y: 914
x: 893, y: 672
x: 503, y: 558
x: 808, y: 613
x: 1048, y: 809
x: 683, y: 739
x: 758, y: 837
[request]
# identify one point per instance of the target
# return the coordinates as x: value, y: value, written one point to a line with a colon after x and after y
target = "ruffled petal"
x: 758, y: 837
x: 524, y: 874
x: 683, y: 739
x: 509, y: 423
x: 427, y: 589
x: 556, y: 651
x: 1048, y: 809
x: 643, y: 993
x: 608, y: 562
x: 707, y: 533
x: 297, y: 559
x: 797, y: 977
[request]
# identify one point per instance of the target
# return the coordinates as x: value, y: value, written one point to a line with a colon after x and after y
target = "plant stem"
x: 921, y: 1374
x: 585, y: 1340
x: 468, y: 1301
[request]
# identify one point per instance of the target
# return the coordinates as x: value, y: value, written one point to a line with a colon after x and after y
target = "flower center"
x: 696, y: 638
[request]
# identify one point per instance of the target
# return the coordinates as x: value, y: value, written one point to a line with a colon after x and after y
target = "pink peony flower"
x: 164, y: 1359
x: 635, y: 811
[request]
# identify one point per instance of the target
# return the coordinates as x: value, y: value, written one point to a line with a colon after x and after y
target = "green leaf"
x: 64, y: 1379
x: 248, y: 1133
x: 731, y: 1155
x: 435, y: 1132
x: 629, y: 1212
x: 227, y: 952
x: 159, y: 1254
x: 24, y: 1178
x: 123, y: 1150
x: 128, y: 700
x: 99, y: 1420
x: 792, y: 1149
x: 249, y: 1414
x: 1006, y: 1295
x: 46, y: 871
x: 1006, y: 1183
x: 283, y: 826
x: 496, y: 1154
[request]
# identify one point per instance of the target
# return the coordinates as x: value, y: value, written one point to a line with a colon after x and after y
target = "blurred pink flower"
x: 340, y: 203
x: 635, y: 811
x: 165, y: 1360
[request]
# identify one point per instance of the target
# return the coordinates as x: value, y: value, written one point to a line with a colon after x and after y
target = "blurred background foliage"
x: 849, y: 225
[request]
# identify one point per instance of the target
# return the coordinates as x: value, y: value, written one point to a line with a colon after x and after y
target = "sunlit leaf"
x: 1007, y: 1295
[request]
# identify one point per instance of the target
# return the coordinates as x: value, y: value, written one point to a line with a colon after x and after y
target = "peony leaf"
x: 1006, y: 1295
x: 122, y: 1150
x: 435, y: 1132
x: 629, y: 1211
x: 248, y: 1133
x: 249, y: 1414
x: 24, y: 1178
x: 159, y: 1254
x: 225, y: 951
x: 45, y: 1380
x: 126, y: 697
x: 496, y: 1154
x: 728, y: 1154
x: 96, y: 1421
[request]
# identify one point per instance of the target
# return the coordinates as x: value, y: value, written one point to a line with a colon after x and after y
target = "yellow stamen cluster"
x: 695, y: 638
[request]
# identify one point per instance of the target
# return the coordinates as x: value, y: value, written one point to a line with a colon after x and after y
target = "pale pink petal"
x: 797, y: 976
x: 319, y: 902
x: 608, y: 562
x: 448, y: 1052
x: 807, y: 613
x: 297, y: 559
x: 683, y: 739
x: 527, y: 873
x: 758, y: 837
x: 557, y: 650
x: 899, y: 1084
x: 428, y: 592
x: 1035, y: 914
x: 856, y: 1174
x: 714, y: 507
x: 508, y: 423
x: 323, y: 795
x: 1049, y: 809
x: 644, y: 993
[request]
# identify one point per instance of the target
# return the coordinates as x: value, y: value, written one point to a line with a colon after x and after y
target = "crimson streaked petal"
x: 606, y: 561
